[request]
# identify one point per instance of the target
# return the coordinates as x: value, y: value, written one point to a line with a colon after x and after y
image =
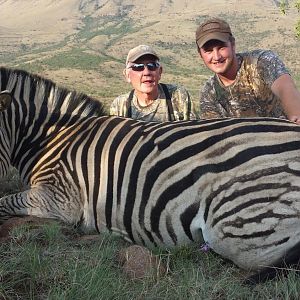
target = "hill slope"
x: 83, y: 43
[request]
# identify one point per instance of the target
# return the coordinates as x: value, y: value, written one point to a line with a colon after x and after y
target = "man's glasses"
x: 141, y: 67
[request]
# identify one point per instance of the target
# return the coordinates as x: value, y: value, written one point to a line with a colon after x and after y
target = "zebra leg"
x: 43, y: 202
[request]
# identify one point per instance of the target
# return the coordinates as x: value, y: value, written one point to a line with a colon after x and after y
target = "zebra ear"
x: 5, y: 100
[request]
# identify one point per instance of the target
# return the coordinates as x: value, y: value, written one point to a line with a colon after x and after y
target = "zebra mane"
x: 64, y: 101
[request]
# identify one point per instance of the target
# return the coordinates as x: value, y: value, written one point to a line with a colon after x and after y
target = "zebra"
x: 232, y: 183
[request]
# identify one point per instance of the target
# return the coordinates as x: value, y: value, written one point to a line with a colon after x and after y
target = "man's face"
x: 144, y: 81
x: 218, y: 56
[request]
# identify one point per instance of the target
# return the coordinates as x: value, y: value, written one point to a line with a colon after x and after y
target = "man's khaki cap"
x: 213, y: 29
x: 140, y: 51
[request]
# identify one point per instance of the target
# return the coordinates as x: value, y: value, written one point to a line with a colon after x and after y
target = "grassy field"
x: 53, y: 261
x: 92, y: 59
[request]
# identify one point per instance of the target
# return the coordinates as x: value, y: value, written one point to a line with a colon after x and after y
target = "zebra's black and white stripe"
x: 234, y: 183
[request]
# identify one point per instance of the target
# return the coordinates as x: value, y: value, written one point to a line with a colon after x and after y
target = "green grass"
x: 55, y: 261
x: 114, y: 27
x: 75, y: 58
x: 52, y: 262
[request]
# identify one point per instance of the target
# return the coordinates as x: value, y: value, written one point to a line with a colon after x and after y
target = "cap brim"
x: 137, y: 56
x: 220, y: 36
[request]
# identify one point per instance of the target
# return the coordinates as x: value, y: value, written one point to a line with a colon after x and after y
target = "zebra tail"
x: 291, y: 260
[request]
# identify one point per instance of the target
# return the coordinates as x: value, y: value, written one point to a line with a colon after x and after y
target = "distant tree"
x: 285, y: 6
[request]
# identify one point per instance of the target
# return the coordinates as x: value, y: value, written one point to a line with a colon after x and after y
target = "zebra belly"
x: 252, y: 252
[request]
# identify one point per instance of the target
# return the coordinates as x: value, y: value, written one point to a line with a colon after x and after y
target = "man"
x: 248, y: 84
x: 150, y: 100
